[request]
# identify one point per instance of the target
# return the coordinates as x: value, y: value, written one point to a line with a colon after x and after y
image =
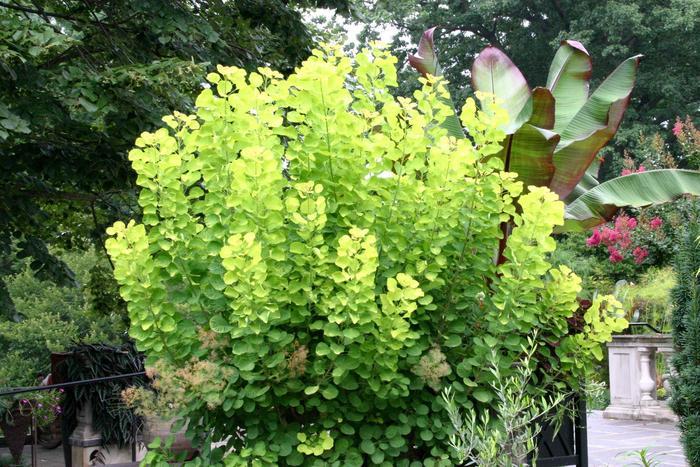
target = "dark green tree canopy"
x: 82, y: 78
x: 665, y: 32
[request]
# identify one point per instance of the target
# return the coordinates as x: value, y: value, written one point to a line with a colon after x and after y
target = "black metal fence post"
x: 65, y: 385
x: 35, y: 453
x: 582, y: 433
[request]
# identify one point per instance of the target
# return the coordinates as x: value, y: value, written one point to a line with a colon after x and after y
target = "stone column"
x: 85, y: 441
x: 667, y: 353
x: 87, y: 449
x: 647, y: 385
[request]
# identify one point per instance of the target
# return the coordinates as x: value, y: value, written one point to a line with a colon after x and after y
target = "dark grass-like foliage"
x: 111, y: 417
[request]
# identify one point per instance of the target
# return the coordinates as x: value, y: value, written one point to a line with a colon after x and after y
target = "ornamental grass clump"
x: 331, y: 251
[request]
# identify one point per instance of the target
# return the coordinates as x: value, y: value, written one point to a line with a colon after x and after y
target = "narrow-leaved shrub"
x: 685, y: 384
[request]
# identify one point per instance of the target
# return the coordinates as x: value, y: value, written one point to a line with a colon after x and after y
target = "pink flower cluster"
x: 632, y: 171
x: 655, y: 223
x: 677, y: 128
x: 639, y: 254
x: 618, y: 239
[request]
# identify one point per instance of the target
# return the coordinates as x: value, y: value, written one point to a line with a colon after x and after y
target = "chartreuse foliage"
x: 331, y: 250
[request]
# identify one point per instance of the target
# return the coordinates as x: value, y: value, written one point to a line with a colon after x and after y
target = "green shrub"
x: 326, y: 252
x: 649, y: 299
x: 51, y: 319
x: 509, y: 438
x: 573, y: 253
x: 685, y: 394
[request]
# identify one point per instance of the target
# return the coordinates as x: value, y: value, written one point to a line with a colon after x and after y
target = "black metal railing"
x: 642, y: 324
x: 66, y: 385
x: 69, y: 384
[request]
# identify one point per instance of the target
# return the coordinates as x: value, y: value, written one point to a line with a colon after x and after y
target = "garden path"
x: 46, y: 457
x: 610, y: 440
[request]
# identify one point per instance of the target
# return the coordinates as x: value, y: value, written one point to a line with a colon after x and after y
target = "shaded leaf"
x: 482, y: 395
x: 568, y: 79
x: 87, y: 105
x: 219, y: 324
x: 425, y: 59
x: 529, y: 153
x: 543, y: 108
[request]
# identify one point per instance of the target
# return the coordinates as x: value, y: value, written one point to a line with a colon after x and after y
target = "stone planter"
x: 14, y: 426
x: 156, y: 427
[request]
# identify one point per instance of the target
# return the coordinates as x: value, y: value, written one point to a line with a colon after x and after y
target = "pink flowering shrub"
x: 641, y: 239
x: 677, y: 127
x: 627, y: 171
x: 624, y: 238
x: 688, y: 137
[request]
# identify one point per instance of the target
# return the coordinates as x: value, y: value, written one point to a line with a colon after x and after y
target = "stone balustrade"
x: 633, y: 381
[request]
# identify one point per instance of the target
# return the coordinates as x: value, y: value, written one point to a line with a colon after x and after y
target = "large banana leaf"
x: 494, y: 73
x: 529, y: 151
x: 592, y: 127
x: 586, y: 183
x: 543, y: 108
x: 589, y: 181
x: 599, y: 204
x: 616, y: 87
x: 425, y: 61
x: 568, y: 80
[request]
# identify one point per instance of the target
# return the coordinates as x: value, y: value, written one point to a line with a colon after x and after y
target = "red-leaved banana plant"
x: 555, y: 132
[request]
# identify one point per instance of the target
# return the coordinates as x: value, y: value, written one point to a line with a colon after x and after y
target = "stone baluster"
x: 667, y: 353
x: 646, y: 383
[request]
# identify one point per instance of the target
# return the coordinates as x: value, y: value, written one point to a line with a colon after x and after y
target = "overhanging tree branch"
x: 36, y: 12
x: 53, y: 14
x: 55, y: 195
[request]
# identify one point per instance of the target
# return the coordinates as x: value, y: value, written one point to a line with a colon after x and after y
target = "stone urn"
x: 156, y: 427
x: 15, y: 425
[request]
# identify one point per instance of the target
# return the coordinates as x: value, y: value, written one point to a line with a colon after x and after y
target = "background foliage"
x: 530, y: 32
x: 51, y: 318
x: 81, y: 79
